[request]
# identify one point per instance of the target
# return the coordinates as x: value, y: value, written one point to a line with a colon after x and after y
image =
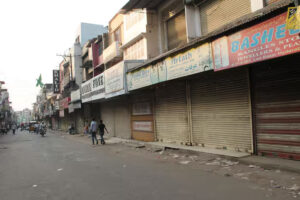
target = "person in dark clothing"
x: 102, y: 128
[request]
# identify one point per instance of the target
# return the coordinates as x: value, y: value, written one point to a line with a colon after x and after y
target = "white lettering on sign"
x: 146, y: 126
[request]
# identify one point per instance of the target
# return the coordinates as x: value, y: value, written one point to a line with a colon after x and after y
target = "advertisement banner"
x: 267, y: 40
x: 56, y: 82
x: 193, y: 61
x: 114, y: 80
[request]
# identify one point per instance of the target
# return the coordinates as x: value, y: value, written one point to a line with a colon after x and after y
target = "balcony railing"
x: 112, y: 52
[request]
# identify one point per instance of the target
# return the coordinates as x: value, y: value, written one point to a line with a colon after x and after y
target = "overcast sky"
x: 32, y: 32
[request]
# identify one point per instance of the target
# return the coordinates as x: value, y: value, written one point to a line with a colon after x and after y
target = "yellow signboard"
x: 293, y: 18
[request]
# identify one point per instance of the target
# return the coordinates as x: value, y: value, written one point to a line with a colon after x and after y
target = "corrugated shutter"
x: 171, y: 113
x: 122, y: 119
x: 108, y: 117
x: 277, y: 107
x: 221, y: 112
x: 217, y: 13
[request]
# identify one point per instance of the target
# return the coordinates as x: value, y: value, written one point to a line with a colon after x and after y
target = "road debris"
x: 60, y: 169
x: 184, y: 162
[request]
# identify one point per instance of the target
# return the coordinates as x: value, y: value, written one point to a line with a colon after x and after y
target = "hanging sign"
x: 267, y: 40
x: 56, y: 82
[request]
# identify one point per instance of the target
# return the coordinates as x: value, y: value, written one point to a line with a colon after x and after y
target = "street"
x: 57, y: 167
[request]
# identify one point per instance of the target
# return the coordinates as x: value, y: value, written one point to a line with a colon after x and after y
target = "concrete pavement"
x: 56, y: 167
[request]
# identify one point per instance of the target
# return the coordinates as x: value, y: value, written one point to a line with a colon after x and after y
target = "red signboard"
x: 267, y: 40
x: 64, y: 103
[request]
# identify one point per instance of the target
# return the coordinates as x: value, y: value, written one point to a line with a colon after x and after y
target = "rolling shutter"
x: 277, y: 108
x: 215, y: 14
x: 171, y: 113
x: 107, y: 115
x: 122, y: 119
x: 221, y: 112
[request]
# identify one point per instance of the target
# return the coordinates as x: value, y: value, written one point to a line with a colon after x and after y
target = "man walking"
x: 102, y: 128
x: 93, y: 129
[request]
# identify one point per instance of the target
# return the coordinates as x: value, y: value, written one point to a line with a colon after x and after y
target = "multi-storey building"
x: 197, y: 100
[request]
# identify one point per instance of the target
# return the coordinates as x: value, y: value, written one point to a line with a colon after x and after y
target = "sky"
x: 33, y: 32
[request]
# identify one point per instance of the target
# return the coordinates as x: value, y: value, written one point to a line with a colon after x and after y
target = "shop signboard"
x: 293, y: 18
x: 114, y: 80
x: 93, y: 89
x: 145, y: 126
x: 56, y: 82
x: 267, y: 40
x: 75, y: 95
x: 86, y: 91
x: 190, y: 62
x: 142, y: 77
x: 64, y: 103
x: 98, y: 91
x: 193, y: 61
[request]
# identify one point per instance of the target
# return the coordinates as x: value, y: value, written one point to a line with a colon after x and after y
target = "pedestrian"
x: 86, y: 129
x: 93, y: 130
x: 14, y: 127
x: 102, y: 128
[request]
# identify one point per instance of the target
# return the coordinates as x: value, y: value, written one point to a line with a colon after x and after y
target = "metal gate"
x: 276, y: 92
x: 171, y: 113
x: 221, y: 111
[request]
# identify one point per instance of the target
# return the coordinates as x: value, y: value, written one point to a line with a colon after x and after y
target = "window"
x: 174, y: 25
x: 176, y: 31
x: 136, y: 51
x: 100, y: 50
x: 117, y: 35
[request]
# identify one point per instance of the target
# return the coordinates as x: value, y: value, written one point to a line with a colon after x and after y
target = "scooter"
x: 43, y: 131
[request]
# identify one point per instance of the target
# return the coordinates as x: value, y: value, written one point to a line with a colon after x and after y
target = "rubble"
x: 185, y: 162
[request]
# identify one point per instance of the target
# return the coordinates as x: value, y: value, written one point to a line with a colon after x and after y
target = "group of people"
x: 5, y: 128
x: 93, y: 129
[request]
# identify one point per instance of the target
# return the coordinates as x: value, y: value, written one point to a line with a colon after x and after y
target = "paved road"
x: 55, y: 167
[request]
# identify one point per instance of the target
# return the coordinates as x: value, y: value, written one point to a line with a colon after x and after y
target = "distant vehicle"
x: 32, y: 126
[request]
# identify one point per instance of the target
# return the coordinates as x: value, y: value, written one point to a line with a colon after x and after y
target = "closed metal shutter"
x: 108, y: 117
x: 217, y: 13
x: 277, y: 107
x: 221, y: 111
x: 79, y: 121
x: 122, y: 119
x: 171, y: 113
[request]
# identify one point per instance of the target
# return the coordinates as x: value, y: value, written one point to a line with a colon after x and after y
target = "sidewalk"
x: 244, y: 158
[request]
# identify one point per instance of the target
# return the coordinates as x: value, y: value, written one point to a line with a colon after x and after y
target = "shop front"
x: 271, y: 53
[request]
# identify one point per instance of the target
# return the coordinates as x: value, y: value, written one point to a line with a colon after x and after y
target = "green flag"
x: 39, y: 81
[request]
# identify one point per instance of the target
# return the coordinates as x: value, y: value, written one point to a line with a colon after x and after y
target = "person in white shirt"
x: 93, y: 129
